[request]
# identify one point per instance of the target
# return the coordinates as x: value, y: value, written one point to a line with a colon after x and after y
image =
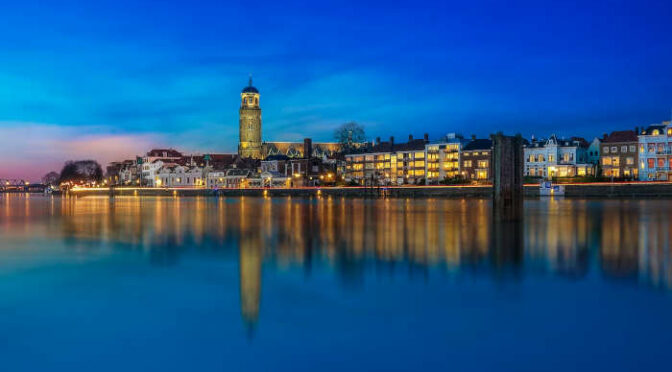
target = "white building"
x: 553, y: 157
x: 180, y: 176
x: 216, y: 180
x: 150, y: 172
x: 655, y: 152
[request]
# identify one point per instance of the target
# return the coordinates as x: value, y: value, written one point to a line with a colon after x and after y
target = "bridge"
x: 19, y: 185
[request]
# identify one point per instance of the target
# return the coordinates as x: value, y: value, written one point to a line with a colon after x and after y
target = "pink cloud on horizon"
x: 28, y: 151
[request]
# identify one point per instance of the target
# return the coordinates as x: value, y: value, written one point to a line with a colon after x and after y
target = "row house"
x: 180, y: 176
x: 233, y: 178
x: 388, y: 163
x: 476, y: 164
x: 619, y: 155
x: 655, y: 152
x: 553, y: 157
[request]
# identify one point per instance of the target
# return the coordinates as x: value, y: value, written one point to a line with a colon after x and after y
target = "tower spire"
x: 250, y: 80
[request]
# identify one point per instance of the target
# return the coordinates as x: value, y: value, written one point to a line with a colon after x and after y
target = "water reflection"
x: 623, y: 240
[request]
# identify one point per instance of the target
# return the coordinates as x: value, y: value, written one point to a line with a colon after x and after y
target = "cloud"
x: 30, y: 150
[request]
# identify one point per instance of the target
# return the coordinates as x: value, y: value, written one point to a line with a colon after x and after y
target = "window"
x: 605, y: 150
x: 531, y: 159
x: 652, y: 149
x: 483, y: 164
x: 467, y: 164
x: 551, y: 158
x: 630, y: 160
x: 655, y: 132
x: 651, y: 163
x: 661, y: 163
x: 614, y: 149
x: 540, y: 158
x: 661, y: 148
x: 606, y: 161
x: 615, y: 161
x: 633, y: 148
x: 624, y: 148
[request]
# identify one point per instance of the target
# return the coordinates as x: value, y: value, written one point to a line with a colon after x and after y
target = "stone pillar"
x: 507, y: 201
x: 508, y: 163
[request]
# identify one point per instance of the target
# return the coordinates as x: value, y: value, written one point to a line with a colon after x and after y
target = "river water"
x: 208, y: 284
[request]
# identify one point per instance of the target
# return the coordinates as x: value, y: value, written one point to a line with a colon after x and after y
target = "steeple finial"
x: 250, y: 80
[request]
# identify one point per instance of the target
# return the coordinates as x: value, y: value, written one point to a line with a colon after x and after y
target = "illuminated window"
x: 482, y: 163
x: 630, y: 161
x: 652, y: 163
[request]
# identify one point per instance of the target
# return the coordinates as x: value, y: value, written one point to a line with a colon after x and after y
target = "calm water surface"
x: 205, y: 284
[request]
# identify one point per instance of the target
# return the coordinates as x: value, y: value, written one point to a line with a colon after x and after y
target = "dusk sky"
x: 109, y: 80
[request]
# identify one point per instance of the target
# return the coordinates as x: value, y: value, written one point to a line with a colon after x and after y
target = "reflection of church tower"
x: 250, y: 281
x: 249, y: 145
x: 251, y: 256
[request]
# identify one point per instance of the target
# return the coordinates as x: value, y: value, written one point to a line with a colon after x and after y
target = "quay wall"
x: 593, y: 190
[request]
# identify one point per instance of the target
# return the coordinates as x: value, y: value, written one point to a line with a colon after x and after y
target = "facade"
x: 594, y: 151
x: 442, y: 158
x: 619, y: 155
x: 180, y: 176
x: 553, y: 157
x: 150, y: 172
x: 655, y: 152
x: 249, y: 145
x: 476, y: 163
x: 387, y: 163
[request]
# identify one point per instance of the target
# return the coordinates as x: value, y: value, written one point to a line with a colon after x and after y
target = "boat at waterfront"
x: 547, y: 188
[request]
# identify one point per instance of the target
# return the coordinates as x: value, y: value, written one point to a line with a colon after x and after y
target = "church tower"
x: 249, y: 144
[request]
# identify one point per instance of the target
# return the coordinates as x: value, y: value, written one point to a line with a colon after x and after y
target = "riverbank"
x: 584, y: 190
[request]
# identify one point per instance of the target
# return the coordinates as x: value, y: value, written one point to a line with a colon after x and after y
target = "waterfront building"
x: 174, y: 175
x: 388, y: 163
x: 619, y: 155
x: 215, y: 180
x: 442, y: 158
x: 476, y: 163
x: 129, y: 173
x: 655, y: 152
x: 594, y: 151
x: 553, y: 157
x: 150, y: 172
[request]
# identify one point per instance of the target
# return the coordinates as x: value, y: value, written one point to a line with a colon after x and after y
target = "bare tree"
x: 81, y: 170
x: 348, y: 134
x: 51, y: 179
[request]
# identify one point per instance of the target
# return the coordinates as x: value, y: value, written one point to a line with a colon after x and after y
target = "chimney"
x: 410, y: 137
x: 391, y: 143
x: 473, y: 137
x: 604, y: 136
x: 307, y: 148
x: 426, y: 137
x: 377, y: 140
x: 636, y: 130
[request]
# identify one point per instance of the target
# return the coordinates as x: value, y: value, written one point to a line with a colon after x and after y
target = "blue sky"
x: 107, y: 79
